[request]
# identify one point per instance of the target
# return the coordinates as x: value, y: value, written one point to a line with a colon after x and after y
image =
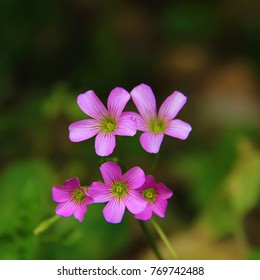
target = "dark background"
x: 51, y: 51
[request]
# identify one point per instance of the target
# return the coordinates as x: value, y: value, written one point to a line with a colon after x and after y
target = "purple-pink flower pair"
x: 140, y: 194
x: 108, y: 122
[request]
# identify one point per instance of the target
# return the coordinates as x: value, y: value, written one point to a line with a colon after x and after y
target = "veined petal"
x: 163, y: 191
x: 134, y: 202
x: 117, y: 101
x: 178, y: 129
x: 171, y: 106
x: 140, y: 122
x: 72, y: 183
x: 151, y: 142
x: 88, y: 199
x: 144, y: 100
x: 80, y: 211
x: 134, y: 178
x: 66, y: 209
x: 105, y: 143
x: 91, y: 105
x: 111, y: 172
x: 83, y: 130
x: 145, y: 215
x: 114, y: 211
x: 126, y: 125
x: 61, y: 194
x: 159, y: 207
x: 149, y: 182
x: 100, y: 192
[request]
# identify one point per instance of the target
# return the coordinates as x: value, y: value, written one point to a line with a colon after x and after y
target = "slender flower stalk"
x: 150, y: 240
x: 164, y: 239
x: 46, y: 224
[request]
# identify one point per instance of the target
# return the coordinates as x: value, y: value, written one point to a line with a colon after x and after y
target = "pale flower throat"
x: 78, y: 195
x: 149, y: 194
x: 108, y: 124
x: 157, y: 125
x: 119, y: 189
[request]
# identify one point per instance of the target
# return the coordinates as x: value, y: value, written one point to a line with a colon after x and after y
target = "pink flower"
x: 105, y: 122
x: 156, y: 195
x: 72, y: 199
x: 119, y: 190
x: 156, y: 125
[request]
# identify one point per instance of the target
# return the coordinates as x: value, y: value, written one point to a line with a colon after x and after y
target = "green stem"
x: 150, y: 240
x: 164, y: 239
x: 46, y: 224
x: 155, y: 161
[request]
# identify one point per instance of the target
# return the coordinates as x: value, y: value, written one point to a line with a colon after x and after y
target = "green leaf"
x: 243, y: 183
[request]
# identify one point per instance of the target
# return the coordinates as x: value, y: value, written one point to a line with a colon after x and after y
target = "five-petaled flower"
x: 156, y: 125
x: 105, y: 122
x: 156, y: 195
x: 119, y: 191
x: 72, y: 199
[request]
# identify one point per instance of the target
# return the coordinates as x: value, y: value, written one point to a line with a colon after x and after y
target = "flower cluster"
x: 134, y: 190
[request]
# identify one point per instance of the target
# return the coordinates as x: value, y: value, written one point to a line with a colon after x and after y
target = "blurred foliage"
x: 50, y: 51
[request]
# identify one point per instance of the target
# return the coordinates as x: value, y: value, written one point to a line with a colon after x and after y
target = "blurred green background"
x: 51, y: 51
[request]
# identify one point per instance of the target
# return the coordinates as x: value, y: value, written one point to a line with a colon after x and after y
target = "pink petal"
x: 144, y: 100
x: 83, y: 130
x: 72, y: 183
x: 117, y: 101
x: 88, y: 200
x: 80, y: 212
x: 66, y: 209
x: 111, y: 172
x: 163, y: 191
x: 140, y: 122
x: 159, y: 207
x: 105, y: 143
x: 151, y: 142
x: 178, y: 129
x: 100, y: 192
x: 91, y: 105
x: 145, y: 215
x: 134, y: 178
x: 134, y: 202
x: 114, y: 211
x: 171, y: 106
x: 149, y: 182
x: 126, y: 125
x: 61, y: 194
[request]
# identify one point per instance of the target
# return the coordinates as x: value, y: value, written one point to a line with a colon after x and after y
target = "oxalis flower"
x: 119, y: 190
x: 72, y: 199
x: 156, y: 194
x: 106, y: 123
x: 156, y: 125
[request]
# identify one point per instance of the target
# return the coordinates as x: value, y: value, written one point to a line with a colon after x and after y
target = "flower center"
x: 149, y: 194
x: 119, y: 189
x: 78, y: 195
x: 157, y: 125
x: 108, y: 125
